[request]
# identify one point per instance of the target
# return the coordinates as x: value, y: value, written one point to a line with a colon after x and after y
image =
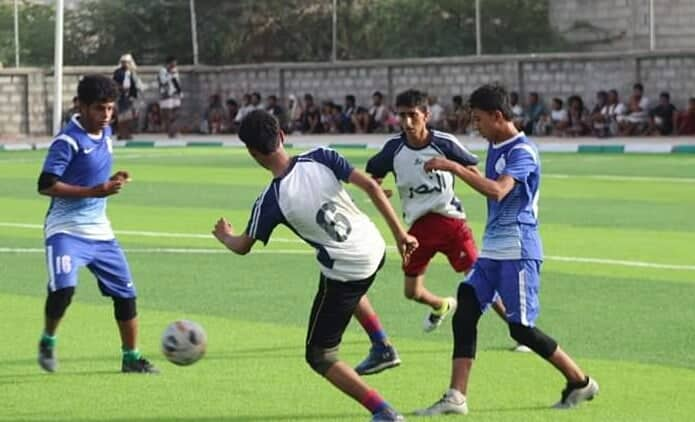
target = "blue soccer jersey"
x: 80, y: 159
x: 422, y: 192
x: 511, y: 231
x: 310, y: 199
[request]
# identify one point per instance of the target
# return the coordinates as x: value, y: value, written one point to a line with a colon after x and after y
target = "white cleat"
x: 572, y: 395
x: 451, y: 403
x: 433, y: 321
x: 520, y: 348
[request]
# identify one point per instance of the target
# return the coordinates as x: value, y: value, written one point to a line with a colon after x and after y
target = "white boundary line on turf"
x: 207, y: 251
x: 576, y: 259
x: 620, y: 178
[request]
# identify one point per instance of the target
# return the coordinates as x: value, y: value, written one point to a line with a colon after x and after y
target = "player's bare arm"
x: 54, y: 187
x: 493, y: 189
x: 405, y: 242
x: 380, y: 181
x: 224, y: 232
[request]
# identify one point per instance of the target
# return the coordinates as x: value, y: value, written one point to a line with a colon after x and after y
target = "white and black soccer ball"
x: 184, y: 342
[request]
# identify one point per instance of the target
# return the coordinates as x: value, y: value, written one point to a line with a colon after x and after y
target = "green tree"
x: 36, y: 33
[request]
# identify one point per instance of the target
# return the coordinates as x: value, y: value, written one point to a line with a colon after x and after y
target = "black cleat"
x: 139, y: 366
x: 47, y: 357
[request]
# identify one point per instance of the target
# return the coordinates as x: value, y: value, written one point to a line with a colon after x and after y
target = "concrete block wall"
x: 26, y: 95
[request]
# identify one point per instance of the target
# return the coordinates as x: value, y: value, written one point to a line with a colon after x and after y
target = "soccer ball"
x: 184, y: 342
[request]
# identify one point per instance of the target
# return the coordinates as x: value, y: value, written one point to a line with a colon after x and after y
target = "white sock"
x: 456, y: 395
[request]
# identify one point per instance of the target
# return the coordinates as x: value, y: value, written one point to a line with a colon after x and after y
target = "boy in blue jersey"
x: 307, y: 195
x: 511, y: 256
x: 77, y: 176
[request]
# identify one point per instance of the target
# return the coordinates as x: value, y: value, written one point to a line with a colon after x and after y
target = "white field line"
x: 621, y: 178
x: 576, y: 259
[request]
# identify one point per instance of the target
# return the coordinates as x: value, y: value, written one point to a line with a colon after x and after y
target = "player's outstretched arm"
x: 405, y: 242
x: 224, y: 232
x: 493, y: 189
x: 49, y: 185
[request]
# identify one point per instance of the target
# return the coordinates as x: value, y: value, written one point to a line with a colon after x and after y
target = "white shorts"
x: 170, y: 103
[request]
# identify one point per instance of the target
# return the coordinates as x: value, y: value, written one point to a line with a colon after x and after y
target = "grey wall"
x: 26, y: 94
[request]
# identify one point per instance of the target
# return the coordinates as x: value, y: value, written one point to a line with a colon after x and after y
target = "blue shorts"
x: 105, y: 259
x: 517, y: 282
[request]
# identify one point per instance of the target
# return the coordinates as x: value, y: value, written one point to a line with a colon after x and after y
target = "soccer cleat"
x: 379, y: 358
x: 138, y: 366
x: 451, y: 403
x: 572, y: 395
x: 47, y: 357
x: 434, y: 319
x: 520, y: 348
x: 387, y: 415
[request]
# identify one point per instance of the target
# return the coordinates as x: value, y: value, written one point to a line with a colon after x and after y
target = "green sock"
x: 130, y: 355
x: 48, y: 340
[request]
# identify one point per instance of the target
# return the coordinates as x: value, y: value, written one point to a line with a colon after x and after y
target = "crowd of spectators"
x: 571, y: 117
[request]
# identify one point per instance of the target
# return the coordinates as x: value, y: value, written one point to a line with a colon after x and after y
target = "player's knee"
x: 58, y: 301
x: 465, y: 322
x: 533, y: 338
x: 321, y: 359
x: 124, y: 309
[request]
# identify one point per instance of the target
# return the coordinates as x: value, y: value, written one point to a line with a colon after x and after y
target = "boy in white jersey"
x: 77, y: 177
x: 307, y: 196
x: 428, y: 200
x: 511, y: 256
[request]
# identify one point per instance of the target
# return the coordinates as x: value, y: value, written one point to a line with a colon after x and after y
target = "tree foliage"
x: 254, y: 31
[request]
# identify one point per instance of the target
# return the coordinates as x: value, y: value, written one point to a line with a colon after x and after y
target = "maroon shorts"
x: 438, y: 233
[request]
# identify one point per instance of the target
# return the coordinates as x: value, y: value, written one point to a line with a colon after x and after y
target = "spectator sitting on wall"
x: 311, y: 116
x: 457, y: 118
x: 662, y: 118
x: 613, y: 112
x: 437, y: 114
x: 256, y: 101
x: 214, y: 115
x: 535, y: 110
x: 577, y: 117
x: 556, y: 122
x: 346, y: 125
x: 153, y: 118
x: 246, y: 108
x: 75, y: 109
x: 686, y: 120
x: 272, y: 107
x: 232, y: 110
x: 378, y: 114
x: 360, y: 120
x: 599, y: 125
x: 328, y: 121
x: 294, y: 113
x: 517, y: 110
x: 637, y: 119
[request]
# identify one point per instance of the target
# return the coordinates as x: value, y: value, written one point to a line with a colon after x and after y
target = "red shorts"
x: 438, y: 233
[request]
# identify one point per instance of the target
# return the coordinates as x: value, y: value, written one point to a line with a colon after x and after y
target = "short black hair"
x: 638, y: 86
x: 665, y: 95
x: 491, y: 98
x: 378, y: 94
x: 260, y: 131
x: 558, y: 101
x: 96, y: 89
x: 350, y: 98
x: 457, y: 99
x: 170, y: 59
x: 412, y: 98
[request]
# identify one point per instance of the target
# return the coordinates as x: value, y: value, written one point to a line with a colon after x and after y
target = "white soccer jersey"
x: 422, y: 192
x: 311, y: 201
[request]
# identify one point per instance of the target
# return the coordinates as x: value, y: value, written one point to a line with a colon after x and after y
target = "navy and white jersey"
x: 310, y: 199
x: 80, y: 159
x: 511, y: 231
x: 422, y: 192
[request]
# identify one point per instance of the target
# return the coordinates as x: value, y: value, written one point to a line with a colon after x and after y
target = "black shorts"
x: 334, y: 304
